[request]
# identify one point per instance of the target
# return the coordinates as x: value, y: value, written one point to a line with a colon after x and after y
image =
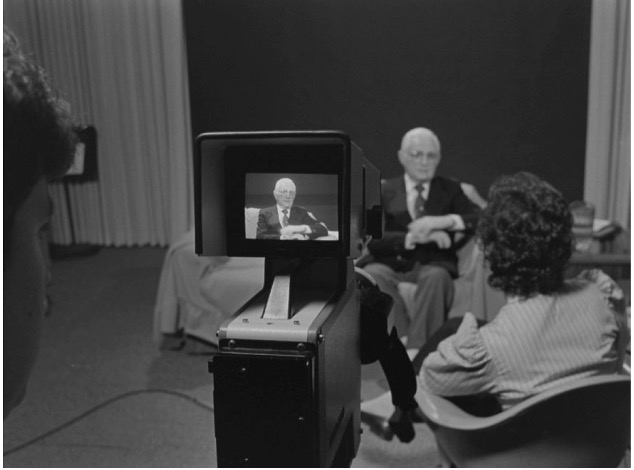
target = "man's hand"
x: 424, y: 226
x: 294, y: 232
x: 293, y: 229
x: 294, y: 236
x: 438, y: 237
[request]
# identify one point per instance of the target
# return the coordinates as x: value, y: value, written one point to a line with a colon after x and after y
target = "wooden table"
x: 615, y: 265
x: 600, y: 260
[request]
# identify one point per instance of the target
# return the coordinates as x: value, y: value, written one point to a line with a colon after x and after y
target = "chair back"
x: 251, y: 221
x: 585, y: 423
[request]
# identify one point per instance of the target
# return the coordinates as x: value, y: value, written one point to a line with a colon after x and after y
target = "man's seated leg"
x: 387, y: 280
x: 376, y: 344
x: 434, y: 295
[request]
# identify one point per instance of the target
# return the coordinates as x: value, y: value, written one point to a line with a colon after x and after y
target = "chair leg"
x: 445, y: 461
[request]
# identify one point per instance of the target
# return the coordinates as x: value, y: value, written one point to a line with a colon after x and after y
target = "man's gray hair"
x: 284, y: 182
x: 419, y: 131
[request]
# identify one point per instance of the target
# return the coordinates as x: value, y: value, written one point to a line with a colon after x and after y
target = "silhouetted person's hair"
x: 39, y: 136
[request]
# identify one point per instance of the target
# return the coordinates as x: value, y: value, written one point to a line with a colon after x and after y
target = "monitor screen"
x: 286, y: 194
x: 291, y: 207
x: 264, y: 179
x: 273, y: 194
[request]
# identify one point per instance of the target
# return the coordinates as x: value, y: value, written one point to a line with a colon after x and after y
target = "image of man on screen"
x: 285, y: 221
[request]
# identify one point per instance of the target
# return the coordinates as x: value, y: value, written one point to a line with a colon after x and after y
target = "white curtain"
x: 122, y: 65
x: 608, y: 167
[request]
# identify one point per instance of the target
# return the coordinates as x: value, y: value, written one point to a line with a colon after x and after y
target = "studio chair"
x: 581, y: 424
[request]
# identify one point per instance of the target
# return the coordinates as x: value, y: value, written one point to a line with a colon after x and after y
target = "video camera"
x: 287, y: 375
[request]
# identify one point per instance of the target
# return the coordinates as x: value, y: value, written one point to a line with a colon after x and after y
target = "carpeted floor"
x: 112, y: 399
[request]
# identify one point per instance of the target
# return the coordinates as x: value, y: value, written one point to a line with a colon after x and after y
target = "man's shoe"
x: 417, y: 415
x: 401, y: 424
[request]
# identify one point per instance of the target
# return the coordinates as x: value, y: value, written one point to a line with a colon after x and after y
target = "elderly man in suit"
x: 285, y: 221
x: 422, y: 213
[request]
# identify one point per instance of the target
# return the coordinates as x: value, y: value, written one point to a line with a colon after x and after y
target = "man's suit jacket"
x: 269, y: 224
x: 445, y: 197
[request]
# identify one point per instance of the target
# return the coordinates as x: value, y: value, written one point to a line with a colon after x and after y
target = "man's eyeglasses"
x: 420, y: 155
x: 285, y: 192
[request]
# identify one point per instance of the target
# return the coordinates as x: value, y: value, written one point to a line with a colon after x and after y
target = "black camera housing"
x: 287, y: 375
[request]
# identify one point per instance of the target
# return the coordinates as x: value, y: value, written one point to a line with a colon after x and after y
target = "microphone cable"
x: 104, y: 404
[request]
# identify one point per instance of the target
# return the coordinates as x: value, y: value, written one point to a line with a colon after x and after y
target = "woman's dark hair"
x: 39, y: 135
x: 526, y: 235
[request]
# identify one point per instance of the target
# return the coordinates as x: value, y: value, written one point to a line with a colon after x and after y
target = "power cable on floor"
x: 103, y: 405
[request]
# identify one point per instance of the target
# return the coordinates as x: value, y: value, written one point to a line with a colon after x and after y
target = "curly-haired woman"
x: 551, y: 331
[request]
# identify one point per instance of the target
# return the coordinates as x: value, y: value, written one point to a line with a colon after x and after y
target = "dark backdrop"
x: 502, y: 82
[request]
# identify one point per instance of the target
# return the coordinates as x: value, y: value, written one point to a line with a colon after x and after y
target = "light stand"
x: 84, y: 169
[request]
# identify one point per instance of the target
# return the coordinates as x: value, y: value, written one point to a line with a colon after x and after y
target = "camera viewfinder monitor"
x: 279, y: 194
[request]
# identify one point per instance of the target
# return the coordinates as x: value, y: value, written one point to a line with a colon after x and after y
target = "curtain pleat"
x: 60, y: 228
x: 608, y: 158
x: 122, y: 66
x: 77, y: 211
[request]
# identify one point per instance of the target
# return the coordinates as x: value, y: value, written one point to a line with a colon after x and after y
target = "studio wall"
x: 503, y: 83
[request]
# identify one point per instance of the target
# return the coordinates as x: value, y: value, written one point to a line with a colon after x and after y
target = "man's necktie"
x: 419, y: 204
x: 285, y: 218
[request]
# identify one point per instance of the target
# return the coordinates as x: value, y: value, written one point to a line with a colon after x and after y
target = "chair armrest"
x: 467, y: 257
x: 472, y: 193
x: 443, y: 412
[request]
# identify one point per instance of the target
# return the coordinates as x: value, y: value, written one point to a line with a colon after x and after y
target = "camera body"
x: 287, y: 374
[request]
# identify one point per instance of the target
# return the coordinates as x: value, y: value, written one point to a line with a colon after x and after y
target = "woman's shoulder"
x: 592, y: 292
x: 594, y: 282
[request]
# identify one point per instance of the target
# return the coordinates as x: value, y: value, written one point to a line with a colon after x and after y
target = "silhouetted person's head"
x: 39, y: 144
